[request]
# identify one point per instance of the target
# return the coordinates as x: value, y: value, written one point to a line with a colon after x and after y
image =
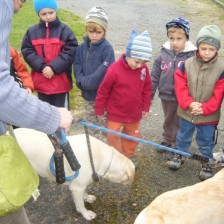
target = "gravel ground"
x: 116, y: 203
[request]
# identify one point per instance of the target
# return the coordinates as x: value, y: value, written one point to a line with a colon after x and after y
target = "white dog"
x: 109, y: 163
x: 202, y: 203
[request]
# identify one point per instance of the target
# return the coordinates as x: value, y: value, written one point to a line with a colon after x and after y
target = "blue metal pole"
x: 103, y: 129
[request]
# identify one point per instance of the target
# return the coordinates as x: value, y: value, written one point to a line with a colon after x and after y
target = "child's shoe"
x: 206, y: 171
x: 163, y: 144
x: 175, y: 162
x: 219, y: 156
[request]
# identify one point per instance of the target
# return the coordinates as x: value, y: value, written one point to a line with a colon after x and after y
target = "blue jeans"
x: 204, y: 137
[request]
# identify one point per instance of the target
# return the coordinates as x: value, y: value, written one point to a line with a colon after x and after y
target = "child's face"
x: 95, y: 35
x: 47, y: 14
x: 135, y: 63
x: 207, y: 51
x: 177, y: 41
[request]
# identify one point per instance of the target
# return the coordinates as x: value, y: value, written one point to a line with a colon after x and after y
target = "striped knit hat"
x: 139, y: 46
x: 97, y: 15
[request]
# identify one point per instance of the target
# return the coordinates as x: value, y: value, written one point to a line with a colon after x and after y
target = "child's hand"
x: 144, y: 114
x: 197, y: 111
x: 29, y: 91
x: 48, y: 72
x: 194, y: 106
x: 101, y: 120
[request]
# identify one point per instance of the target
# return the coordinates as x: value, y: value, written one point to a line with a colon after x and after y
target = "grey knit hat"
x: 210, y: 35
x: 139, y: 46
x: 97, y: 15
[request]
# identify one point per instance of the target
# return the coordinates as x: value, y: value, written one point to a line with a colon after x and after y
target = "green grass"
x: 27, y: 17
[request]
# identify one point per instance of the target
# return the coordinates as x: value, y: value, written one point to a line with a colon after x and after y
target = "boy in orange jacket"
x: 20, y: 72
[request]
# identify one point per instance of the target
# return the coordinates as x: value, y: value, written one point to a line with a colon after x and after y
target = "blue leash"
x: 140, y: 140
x: 62, y: 147
x: 52, y: 168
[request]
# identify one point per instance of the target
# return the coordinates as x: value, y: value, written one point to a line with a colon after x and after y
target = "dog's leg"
x: 89, y: 198
x: 78, y: 197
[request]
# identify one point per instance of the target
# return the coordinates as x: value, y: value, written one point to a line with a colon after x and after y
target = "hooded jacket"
x: 50, y: 44
x: 124, y: 93
x: 164, y: 66
x: 90, y: 66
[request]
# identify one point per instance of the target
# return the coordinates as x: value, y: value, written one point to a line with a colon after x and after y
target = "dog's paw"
x: 90, y: 198
x: 89, y: 215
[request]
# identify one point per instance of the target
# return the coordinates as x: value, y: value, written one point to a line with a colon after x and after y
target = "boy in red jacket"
x: 125, y: 93
x: 48, y: 48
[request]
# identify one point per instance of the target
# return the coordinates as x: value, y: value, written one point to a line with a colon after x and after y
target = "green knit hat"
x: 210, y: 35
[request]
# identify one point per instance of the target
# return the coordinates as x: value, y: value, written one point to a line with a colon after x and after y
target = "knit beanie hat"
x: 40, y: 4
x: 97, y: 15
x: 139, y: 46
x: 180, y: 23
x: 210, y: 35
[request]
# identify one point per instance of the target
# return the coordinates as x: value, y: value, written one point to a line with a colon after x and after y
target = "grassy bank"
x: 27, y: 17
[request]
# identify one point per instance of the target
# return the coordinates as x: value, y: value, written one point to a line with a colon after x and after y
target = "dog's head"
x: 121, y: 169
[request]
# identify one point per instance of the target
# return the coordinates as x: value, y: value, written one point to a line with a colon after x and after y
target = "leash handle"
x: 67, y: 150
x: 58, y: 158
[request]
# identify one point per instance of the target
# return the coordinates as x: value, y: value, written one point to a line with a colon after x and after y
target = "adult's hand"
x: 66, y: 119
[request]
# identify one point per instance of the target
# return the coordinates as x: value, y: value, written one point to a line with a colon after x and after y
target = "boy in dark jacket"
x: 92, y: 58
x: 49, y: 49
x: 199, y: 86
x: 174, y: 52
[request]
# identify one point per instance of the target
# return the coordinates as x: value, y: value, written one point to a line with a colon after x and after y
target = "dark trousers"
x: 18, y: 217
x: 171, y: 122
x: 58, y: 100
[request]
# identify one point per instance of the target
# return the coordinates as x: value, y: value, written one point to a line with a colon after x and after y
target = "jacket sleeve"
x: 67, y: 54
x: 92, y: 81
x: 103, y: 93
x: 181, y: 88
x: 21, y: 69
x: 35, y: 61
x: 15, y: 101
x: 214, y: 103
x: 155, y: 74
x: 146, y: 94
x: 78, y: 66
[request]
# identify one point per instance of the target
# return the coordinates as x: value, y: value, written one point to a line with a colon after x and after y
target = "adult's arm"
x: 18, y: 107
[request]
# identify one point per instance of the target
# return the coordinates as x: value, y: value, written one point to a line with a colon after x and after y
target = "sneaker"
x: 175, y: 162
x: 206, y: 171
x: 169, y: 156
x: 219, y: 156
x: 163, y: 144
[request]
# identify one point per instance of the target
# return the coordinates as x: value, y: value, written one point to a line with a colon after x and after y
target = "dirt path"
x: 117, y: 204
